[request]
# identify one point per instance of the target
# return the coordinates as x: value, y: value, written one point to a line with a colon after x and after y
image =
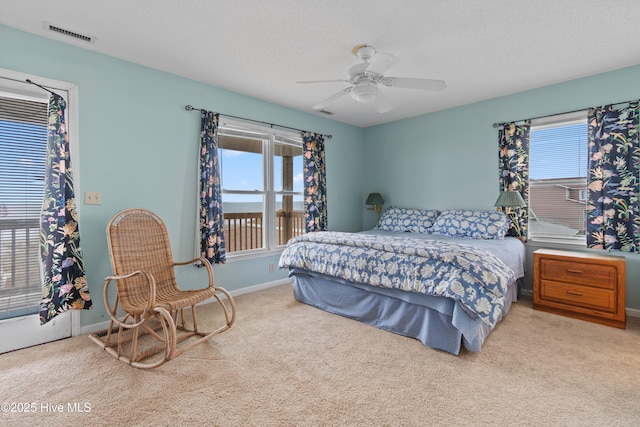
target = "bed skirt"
x: 437, y: 322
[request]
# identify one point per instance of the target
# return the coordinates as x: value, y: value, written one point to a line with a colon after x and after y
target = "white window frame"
x: 582, y: 195
x: 270, y: 135
x: 558, y: 120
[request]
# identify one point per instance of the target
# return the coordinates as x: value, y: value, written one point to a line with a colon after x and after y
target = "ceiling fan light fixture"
x: 365, y: 93
x: 367, y: 75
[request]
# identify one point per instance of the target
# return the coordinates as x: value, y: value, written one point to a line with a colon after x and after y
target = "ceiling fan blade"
x: 382, y: 103
x: 381, y: 62
x: 333, y: 98
x: 323, y: 81
x: 413, y: 83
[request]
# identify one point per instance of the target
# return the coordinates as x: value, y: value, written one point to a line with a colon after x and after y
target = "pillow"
x: 472, y: 223
x: 412, y: 220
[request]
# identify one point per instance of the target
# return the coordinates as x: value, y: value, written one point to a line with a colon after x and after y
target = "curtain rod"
x: 192, y: 108
x: 41, y: 87
x: 497, y: 125
x: 30, y: 82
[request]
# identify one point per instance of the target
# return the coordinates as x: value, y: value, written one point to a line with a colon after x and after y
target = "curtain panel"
x: 513, y: 141
x: 64, y: 279
x: 613, y: 221
x: 315, y: 196
x: 212, y: 245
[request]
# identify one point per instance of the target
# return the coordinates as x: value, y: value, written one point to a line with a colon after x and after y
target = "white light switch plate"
x: 92, y: 198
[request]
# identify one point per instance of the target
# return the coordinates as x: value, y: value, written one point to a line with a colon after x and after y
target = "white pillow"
x: 472, y: 223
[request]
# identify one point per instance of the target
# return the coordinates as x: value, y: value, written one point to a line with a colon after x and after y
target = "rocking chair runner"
x: 148, y: 315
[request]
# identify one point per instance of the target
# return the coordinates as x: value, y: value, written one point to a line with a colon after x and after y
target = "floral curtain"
x: 613, y: 220
x: 315, y: 197
x: 65, y: 283
x: 212, y: 245
x: 514, y: 172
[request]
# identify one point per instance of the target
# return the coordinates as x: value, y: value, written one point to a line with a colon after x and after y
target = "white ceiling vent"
x: 328, y: 113
x: 68, y: 33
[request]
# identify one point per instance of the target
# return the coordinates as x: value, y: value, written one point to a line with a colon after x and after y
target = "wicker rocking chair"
x: 148, y: 319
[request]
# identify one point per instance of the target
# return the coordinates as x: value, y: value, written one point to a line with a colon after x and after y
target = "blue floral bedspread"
x: 472, y: 276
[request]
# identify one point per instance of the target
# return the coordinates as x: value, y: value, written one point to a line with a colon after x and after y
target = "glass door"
x: 23, y: 145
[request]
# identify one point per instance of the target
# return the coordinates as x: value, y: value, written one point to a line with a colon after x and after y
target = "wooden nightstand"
x: 585, y: 286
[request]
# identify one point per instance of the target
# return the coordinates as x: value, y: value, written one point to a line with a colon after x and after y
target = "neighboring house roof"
x: 543, y: 227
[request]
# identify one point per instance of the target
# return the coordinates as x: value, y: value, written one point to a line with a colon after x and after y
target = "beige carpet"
x: 284, y: 363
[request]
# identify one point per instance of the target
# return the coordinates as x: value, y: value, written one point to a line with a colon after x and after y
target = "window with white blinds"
x: 558, y: 178
x: 23, y: 143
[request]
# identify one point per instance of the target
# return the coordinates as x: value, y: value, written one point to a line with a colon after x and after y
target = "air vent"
x: 69, y: 33
x: 328, y: 113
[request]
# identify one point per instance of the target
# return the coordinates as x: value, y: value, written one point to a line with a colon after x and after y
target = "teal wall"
x: 139, y: 148
x: 449, y: 159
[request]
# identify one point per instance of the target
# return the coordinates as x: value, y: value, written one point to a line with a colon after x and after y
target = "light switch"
x: 92, y: 198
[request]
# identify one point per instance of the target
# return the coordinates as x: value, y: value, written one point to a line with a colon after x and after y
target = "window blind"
x: 558, y: 152
x: 23, y: 143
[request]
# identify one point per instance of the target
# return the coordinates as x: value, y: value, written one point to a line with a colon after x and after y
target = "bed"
x: 445, y: 278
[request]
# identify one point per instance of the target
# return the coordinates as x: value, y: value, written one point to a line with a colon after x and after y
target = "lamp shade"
x: 374, y: 199
x: 510, y: 199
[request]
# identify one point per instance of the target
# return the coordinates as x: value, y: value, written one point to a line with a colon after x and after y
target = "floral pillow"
x: 472, y: 223
x: 411, y: 220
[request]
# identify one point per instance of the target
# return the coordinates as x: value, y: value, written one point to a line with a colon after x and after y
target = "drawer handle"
x: 574, y: 293
x: 570, y: 270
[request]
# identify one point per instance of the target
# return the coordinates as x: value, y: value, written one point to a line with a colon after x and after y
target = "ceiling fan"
x: 366, y: 76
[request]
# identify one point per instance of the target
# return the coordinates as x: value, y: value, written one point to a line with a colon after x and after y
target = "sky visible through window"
x: 558, y: 152
x: 243, y: 171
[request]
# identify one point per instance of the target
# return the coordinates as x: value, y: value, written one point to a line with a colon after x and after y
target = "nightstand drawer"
x: 580, y: 296
x: 598, y: 275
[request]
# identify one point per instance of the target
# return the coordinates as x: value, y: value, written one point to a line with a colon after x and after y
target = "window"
x: 23, y: 145
x: 262, y: 186
x: 558, y: 178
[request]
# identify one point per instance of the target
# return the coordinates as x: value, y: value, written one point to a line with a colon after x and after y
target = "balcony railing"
x: 244, y: 231
x: 20, y: 286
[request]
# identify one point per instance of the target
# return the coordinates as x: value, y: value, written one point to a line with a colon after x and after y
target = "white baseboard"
x: 101, y: 326
x: 259, y: 287
x: 632, y: 312
x: 96, y: 327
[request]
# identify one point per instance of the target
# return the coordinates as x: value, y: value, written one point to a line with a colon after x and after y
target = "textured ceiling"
x: 482, y: 49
